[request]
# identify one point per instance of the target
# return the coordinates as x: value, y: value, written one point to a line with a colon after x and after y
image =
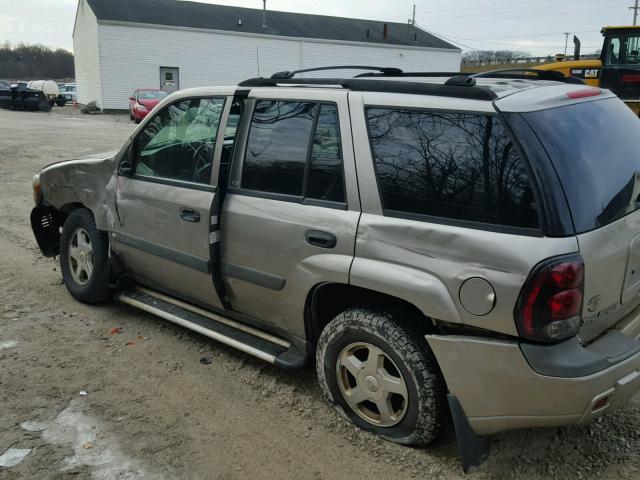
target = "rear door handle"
x: 321, y: 239
x: 190, y: 215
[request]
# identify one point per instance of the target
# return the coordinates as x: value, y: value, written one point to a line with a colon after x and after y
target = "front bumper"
x: 499, y: 389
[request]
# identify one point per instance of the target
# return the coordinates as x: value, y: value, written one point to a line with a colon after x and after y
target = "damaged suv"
x: 462, y: 247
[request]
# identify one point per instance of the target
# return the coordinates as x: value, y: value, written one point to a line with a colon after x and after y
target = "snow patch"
x: 92, y: 445
x: 8, y: 344
x: 13, y: 456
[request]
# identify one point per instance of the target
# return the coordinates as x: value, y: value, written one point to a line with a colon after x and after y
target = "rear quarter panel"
x: 426, y: 263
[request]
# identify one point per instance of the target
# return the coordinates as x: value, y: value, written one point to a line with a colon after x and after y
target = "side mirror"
x: 125, y: 169
x: 132, y: 98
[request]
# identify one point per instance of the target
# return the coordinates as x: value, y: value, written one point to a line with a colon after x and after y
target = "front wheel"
x: 377, y: 370
x: 84, y: 258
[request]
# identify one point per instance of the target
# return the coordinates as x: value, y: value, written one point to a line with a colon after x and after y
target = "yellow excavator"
x: 617, y: 69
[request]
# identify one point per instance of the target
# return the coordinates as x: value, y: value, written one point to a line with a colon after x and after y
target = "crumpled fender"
x: 89, y: 181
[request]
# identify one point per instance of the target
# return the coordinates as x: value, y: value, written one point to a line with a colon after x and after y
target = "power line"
x: 447, y: 39
x: 496, y: 16
x: 487, y: 6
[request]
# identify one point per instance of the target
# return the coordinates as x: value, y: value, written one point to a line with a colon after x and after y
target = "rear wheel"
x: 377, y: 370
x: 61, y: 101
x: 84, y: 258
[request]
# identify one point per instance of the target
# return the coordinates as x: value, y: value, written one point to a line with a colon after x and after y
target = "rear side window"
x: 294, y: 149
x: 454, y: 166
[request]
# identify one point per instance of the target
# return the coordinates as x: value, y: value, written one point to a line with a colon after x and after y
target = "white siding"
x: 86, y: 54
x: 131, y: 56
x: 408, y: 59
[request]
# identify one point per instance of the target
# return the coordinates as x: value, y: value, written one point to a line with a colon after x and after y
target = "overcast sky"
x: 535, y: 26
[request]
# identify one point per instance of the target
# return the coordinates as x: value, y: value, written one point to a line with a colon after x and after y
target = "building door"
x: 170, y: 79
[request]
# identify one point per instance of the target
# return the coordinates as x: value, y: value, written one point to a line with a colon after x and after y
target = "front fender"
x: 89, y: 182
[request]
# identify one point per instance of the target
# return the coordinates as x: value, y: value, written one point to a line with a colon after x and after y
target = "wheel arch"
x: 326, y: 300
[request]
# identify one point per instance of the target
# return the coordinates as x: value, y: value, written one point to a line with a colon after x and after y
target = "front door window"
x: 178, y: 143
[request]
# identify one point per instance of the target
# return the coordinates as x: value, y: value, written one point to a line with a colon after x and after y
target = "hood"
x: 87, y: 158
x: 150, y: 103
x: 570, y: 64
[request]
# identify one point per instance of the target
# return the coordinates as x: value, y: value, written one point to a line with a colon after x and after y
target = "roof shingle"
x: 287, y: 24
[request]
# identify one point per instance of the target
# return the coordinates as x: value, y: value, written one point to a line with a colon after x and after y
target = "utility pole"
x: 635, y: 13
x: 413, y: 19
x: 566, y: 40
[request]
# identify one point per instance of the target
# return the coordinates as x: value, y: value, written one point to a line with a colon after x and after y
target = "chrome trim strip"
x: 186, y: 259
x: 257, y: 277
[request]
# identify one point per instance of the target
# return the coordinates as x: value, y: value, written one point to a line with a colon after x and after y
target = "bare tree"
x: 31, y: 62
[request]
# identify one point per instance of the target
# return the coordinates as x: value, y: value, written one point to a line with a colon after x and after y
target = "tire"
x: 61, y: 101
x: 137, y: 121
x: 91, y: 284
x: 131, y: 117
x: 401, y: 341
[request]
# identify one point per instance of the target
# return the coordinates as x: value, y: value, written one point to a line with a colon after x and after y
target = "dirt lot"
x: 152, y: 410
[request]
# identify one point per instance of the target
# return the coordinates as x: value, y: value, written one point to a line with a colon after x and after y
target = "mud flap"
x: 474, y: 450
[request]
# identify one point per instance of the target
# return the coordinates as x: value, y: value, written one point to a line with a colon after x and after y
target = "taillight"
x: 550, y: 303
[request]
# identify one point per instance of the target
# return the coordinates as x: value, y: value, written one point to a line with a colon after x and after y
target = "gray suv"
x: 445, y: 247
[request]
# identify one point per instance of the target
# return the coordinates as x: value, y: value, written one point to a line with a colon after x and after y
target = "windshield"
x: 593, y: 148
x: 151, y: 94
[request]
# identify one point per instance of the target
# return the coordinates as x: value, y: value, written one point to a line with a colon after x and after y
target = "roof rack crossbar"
x: 526, y: 73
x: 293, y: 73
x: 411, y: 74
x: 468, y: 78
x: 371, y: 85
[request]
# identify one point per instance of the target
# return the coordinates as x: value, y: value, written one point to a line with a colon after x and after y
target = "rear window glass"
x: 593, y: 148
x: 453, y: 166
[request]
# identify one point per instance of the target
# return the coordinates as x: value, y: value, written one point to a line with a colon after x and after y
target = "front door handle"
x: 190, y: 214
x: 321, y: 239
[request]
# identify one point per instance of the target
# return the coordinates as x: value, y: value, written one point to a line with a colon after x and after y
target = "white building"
x: 121, y: 45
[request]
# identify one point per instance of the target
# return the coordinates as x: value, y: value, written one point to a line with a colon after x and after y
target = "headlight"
x: 139, y: 106
x: 37, y: 193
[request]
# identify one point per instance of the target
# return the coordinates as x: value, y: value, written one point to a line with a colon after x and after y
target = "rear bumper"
x: 500, y: 387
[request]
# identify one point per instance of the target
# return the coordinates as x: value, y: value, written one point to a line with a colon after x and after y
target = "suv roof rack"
x: 370, y: 85
x: 383, y: 70
x: 468, y: 78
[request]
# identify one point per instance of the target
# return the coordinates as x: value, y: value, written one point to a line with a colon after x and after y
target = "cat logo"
x: 585, y: 72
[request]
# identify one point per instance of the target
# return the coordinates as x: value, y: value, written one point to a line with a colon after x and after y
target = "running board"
x: 262, y: 345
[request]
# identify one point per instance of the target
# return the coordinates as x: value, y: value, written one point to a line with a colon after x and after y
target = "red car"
x: 142, y: 102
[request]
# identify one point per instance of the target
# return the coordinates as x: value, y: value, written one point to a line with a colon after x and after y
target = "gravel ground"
x: 89, y: 406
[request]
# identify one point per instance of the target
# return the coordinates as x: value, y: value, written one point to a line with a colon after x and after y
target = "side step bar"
x: 242, y: 337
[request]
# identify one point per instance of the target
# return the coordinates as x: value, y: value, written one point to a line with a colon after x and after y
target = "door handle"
x: 321, y: 239
x: 190, y: 215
